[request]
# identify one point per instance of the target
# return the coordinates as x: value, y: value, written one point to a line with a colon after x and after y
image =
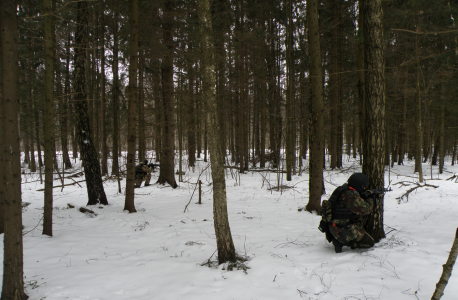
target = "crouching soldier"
x: 143, y: 173
x: 348, y: 206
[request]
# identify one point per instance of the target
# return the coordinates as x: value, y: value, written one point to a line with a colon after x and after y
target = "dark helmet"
x: 358, y: 181
x: 145, y: 161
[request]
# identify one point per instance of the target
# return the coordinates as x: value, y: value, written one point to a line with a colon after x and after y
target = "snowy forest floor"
x: 158, y: 252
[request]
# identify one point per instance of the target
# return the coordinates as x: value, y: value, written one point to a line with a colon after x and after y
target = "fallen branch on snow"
x: 413, y: 189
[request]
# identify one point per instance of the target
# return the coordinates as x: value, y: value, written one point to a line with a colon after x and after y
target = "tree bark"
x: 225, y: 245
x: 115, y: 93
x: 418, y: 133
x: 141, y: 109
x: 290, y: 110
x: 103, y: 104
x: 48, y: 117
x: 167, y: 174
x: 361, y: 82
x: 316, y: 110
x: 64, y: 111
x: 129, y: 204
x: 13, y: 281
x: 3, y: 185
x: 191, y: 128
x: 374, y: 127
x: 442, y: 127
x: 94, y: 184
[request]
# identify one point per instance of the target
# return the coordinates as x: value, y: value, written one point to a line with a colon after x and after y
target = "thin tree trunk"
x: 141, y: 110
x: 129, y: 204
x: 30, y: 110
x: 48, y: 117
x: 447, y: 270
x: 115, y: 93
x: 64, y: 112
x: 316, y: 110
x: 442, y: 128
x: 103, y: 104
x: 290, y: 138
x: 418, y: 133
x: 191, y: 128
x: 94, y: 184
x: 225, y: 245
x: 13, y: 281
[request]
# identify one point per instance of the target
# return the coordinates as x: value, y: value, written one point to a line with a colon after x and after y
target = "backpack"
x: 326, y: 211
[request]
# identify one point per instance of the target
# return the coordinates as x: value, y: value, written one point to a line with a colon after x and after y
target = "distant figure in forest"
x: 143, y: 173
x: 343, y: 211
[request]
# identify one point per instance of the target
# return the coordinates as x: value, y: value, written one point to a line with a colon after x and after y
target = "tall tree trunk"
x: 141, y: 109
x: 225, y: 245
x: 129, y: 204
x: 64, y: 111
x: 374, y: 127
x: 402, y: 129
x: 167, y: 174
x: 418, y: 133
x: 103, y: 104
x: 48, y: 117
x: 3, y: 179
x: 37, y: 125
x: 361, y: 82
x: 316, y: 110
x: 290, y: 112
x: 442, y: 127
x: 94, y: 184
x: 334, y: 85
x: 13, y: 281
x: 30, y: 110
x: 191, y: 128
x: 115, y: 93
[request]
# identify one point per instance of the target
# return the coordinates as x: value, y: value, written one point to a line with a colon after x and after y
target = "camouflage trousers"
x: 139, y: 178
x: 345, y: 234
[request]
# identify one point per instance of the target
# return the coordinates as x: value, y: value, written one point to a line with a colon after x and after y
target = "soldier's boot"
x: 337, y: 246
x: 137, y: 184
x: 365, y: 242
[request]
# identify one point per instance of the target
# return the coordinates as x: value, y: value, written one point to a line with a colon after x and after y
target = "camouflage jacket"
x: 142, y: 168
x: 344, y: 230
x: 353, y: 201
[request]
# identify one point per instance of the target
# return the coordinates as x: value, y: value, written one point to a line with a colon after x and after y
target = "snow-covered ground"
x: 157, y: 252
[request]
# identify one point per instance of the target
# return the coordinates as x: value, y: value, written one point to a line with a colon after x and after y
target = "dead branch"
x: 56, y: 186
x: 33, y: 227
x: 404, y: 183
x: 198, y: 178
x: 451, y: 178
x: 413, y: 189
x: 87, y: 211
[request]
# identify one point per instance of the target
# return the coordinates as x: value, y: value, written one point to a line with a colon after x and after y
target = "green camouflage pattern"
x: 326, y: 210
x: 353, y: 201
x: 139, y: 177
